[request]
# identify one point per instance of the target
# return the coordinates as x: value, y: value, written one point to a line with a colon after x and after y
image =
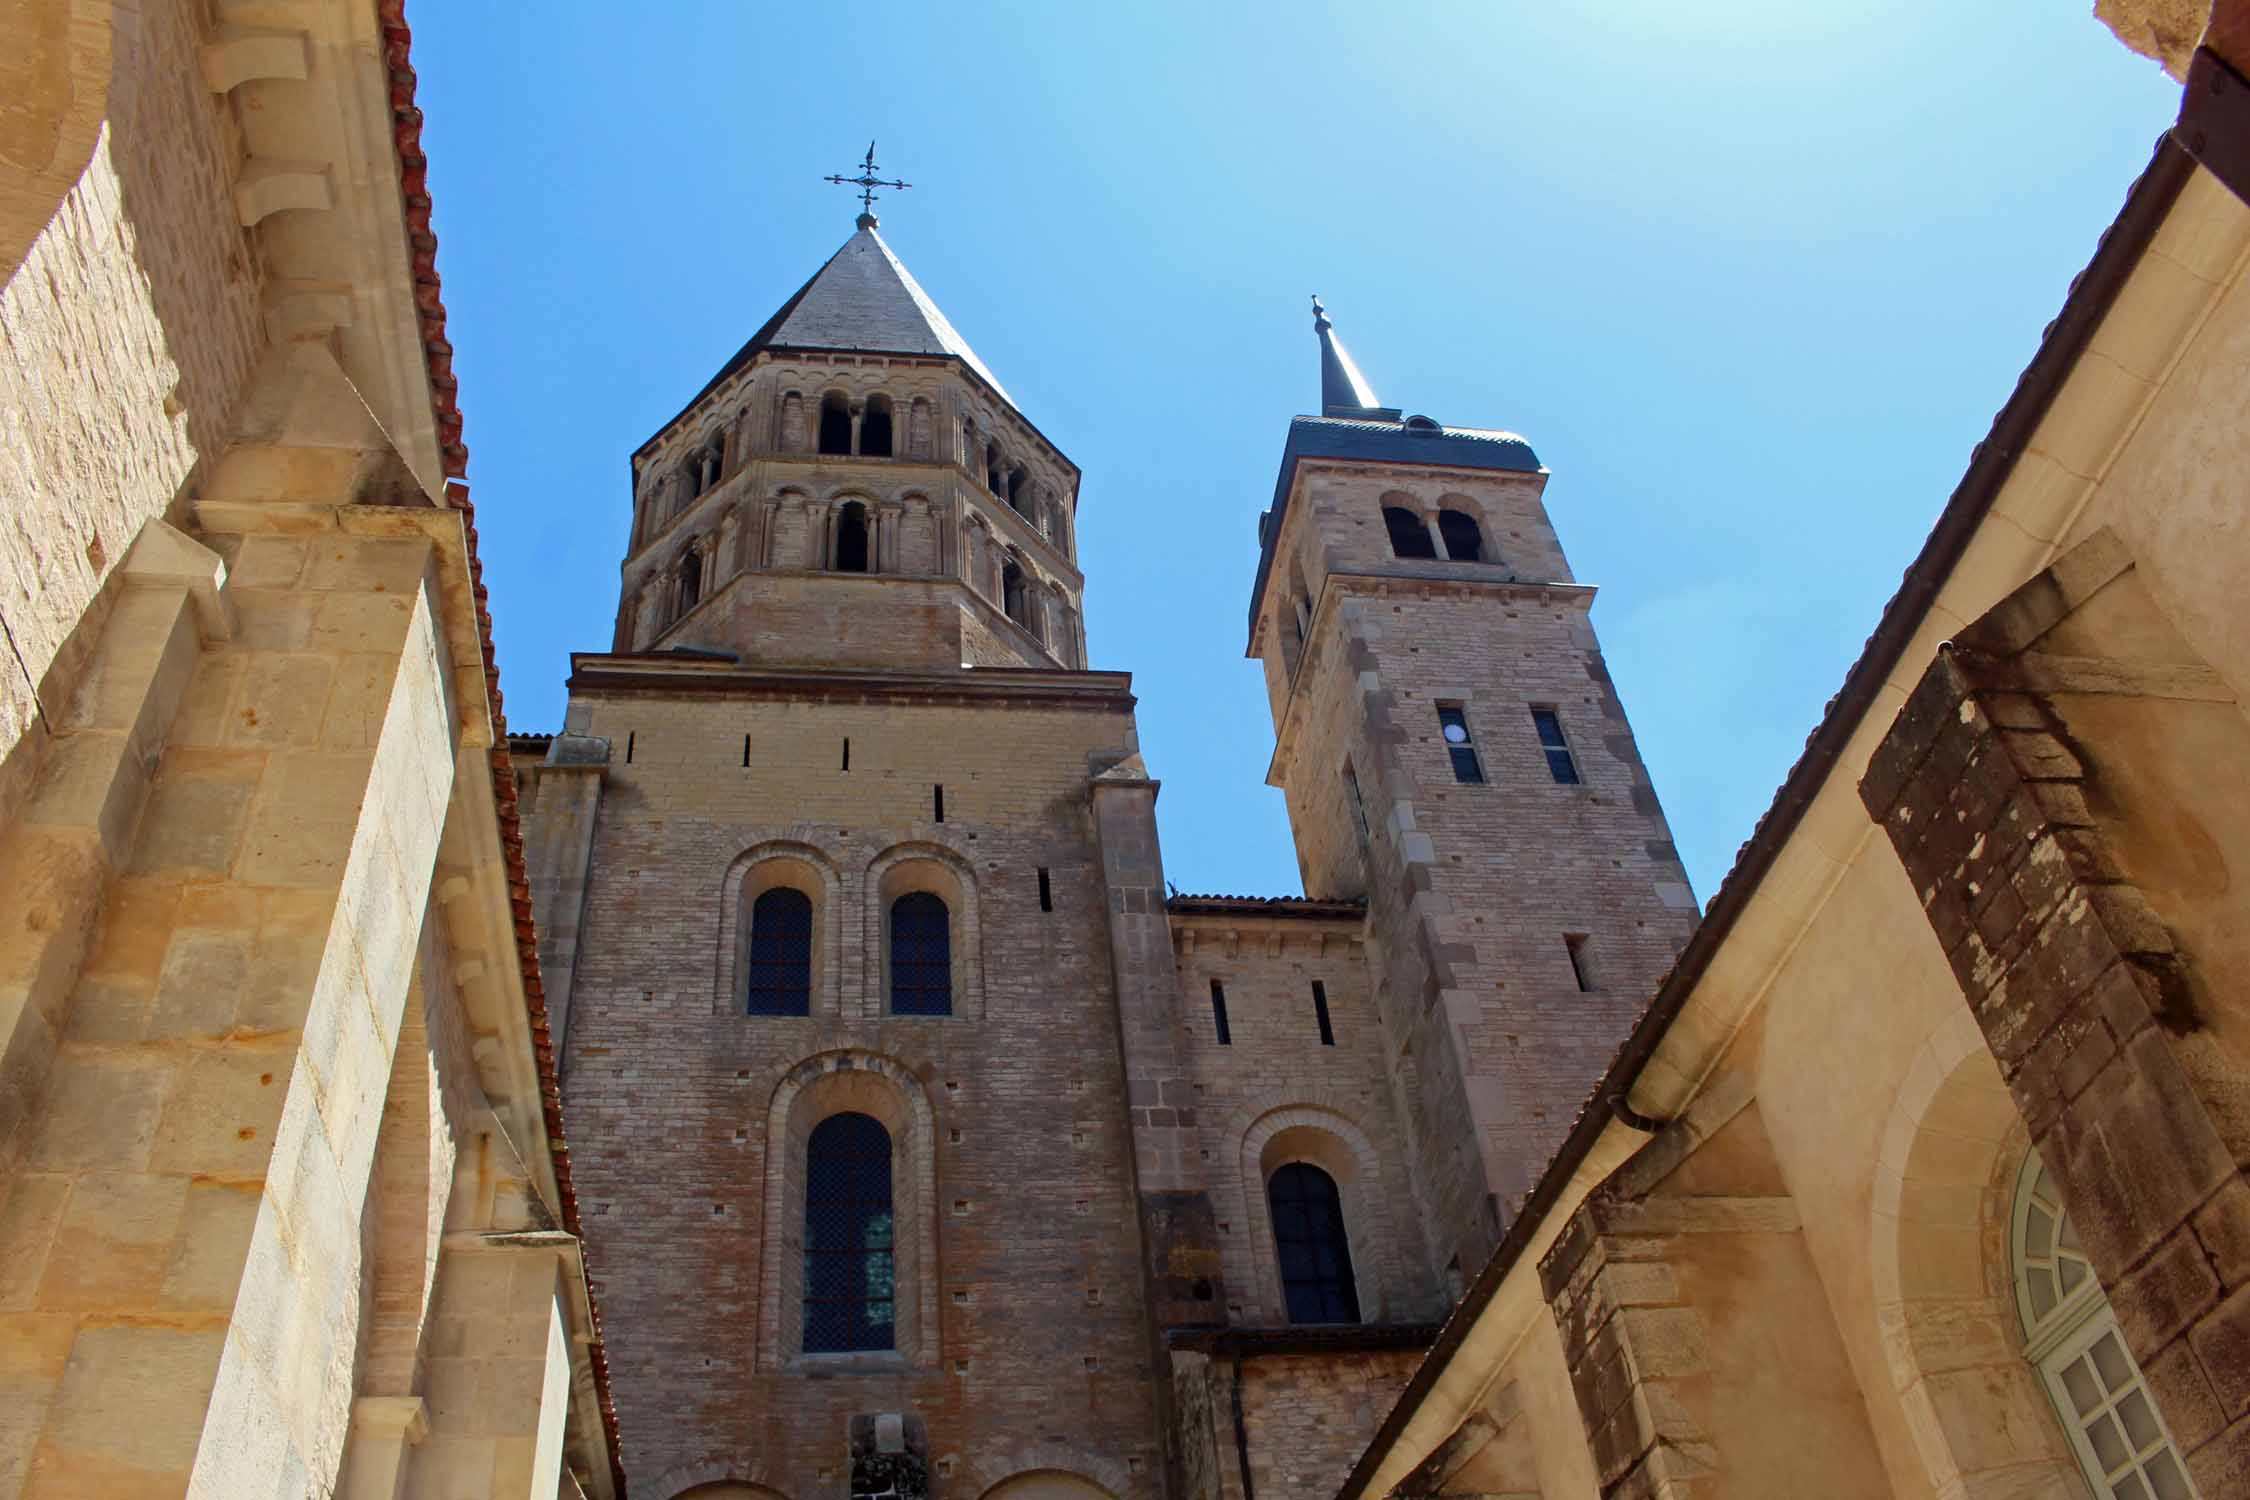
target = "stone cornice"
x: 606, y: 674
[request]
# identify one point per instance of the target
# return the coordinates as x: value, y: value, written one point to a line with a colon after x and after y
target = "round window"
x: 1457, y: 735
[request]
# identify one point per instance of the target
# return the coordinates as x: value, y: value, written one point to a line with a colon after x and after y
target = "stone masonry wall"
x: 1040, y: 1328
x: 1275, y: 1068
x: 1312, y: 1414
x: 1472, y: 889
x: 139, y: 302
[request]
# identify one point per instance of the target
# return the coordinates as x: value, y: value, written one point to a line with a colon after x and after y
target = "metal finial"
x: 867, y: 182
x: 1319, y: 314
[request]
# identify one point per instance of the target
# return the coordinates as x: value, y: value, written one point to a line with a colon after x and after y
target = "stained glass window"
x: 850, y: 1258
x: 921, y: 956
x: 780, y: 954
x: 1308, y: 1239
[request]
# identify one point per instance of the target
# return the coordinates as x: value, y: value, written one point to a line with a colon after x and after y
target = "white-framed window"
x: 2071, y: 1337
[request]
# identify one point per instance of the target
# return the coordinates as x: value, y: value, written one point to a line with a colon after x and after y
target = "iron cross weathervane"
x: 867, y: 182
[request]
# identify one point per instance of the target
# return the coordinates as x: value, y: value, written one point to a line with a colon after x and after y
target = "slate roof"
x: 862, y: 300
x: 1417, y: 440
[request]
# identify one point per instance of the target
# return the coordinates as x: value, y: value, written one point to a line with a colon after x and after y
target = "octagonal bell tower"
x: 854, y: 488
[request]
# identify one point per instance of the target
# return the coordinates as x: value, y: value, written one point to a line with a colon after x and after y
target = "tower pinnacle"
x: 867, y: 182
x: 1344, y: 392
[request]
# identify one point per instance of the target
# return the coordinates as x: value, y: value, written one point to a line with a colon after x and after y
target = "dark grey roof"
x: 1342, y: 388
x: 861, y: 300
x: 1417, y: 440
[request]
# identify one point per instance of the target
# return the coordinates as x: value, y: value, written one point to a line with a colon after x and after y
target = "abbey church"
x: 796, y: 1075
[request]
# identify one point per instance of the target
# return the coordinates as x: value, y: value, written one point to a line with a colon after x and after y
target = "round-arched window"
x: 2071, y: 1337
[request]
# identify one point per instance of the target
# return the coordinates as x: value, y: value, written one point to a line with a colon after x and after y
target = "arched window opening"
x: 1463, y: 542
x: 993, y: 480
x: 835, y: 424
x: 781, y: 927
x: 851, y: 1265
x: 1019, y: 491
x: 851, y: 538
x: 875, y: 428
x: 711, y: 463
x: 2071, y: 1337
x: 1308, y: 1238
x: 691, y: 580
x: 1301, y: 616
x: 1015, y: 599
x: 921, y: 956
x: 1409, y: 537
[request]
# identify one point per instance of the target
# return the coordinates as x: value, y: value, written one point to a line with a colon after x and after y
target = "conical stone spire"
x: 1344, y: 392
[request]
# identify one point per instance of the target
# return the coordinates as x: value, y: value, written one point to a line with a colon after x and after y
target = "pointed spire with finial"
x: 1344, y: 392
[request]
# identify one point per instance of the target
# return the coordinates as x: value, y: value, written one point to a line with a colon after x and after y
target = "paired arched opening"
x: 1410, y: 539
x: 1464, y: 542
x: 1015, y: 597
x: 835, y: 434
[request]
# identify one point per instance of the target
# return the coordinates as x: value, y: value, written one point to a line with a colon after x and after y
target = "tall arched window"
x: 921, y: 956
x: 691, y: 579
x: 1409, y: 537
x: 781, y: 938
x: 1308, y: 1240
x: 992, y: 479
x: 835, y: 424
x: 1014, y: 598
x: 2072, y: 1338
x: 1019, y: 491
x: 1463, y: 542
x: 875, y: 428
x: 851, y: 1267
x: 851, y: 538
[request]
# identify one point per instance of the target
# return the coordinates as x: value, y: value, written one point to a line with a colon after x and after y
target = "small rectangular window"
x: 1581, y: 963
x: 1560, y: 763
x: 1219, y: 1013
x: 746, y: 749
x: 938, y: 803
x: 1453, y: 723
x: 1046, y: 891
x: 1351, y: 795
x: 847, y: 752
x: 1320, y: 1013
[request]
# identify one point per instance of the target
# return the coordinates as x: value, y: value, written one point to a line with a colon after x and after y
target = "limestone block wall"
x: 1012, y: 1166
x: 137, y: 300
x: 1275, y: 1093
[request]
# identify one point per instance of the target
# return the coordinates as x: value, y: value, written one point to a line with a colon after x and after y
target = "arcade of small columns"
x: 697, y: 529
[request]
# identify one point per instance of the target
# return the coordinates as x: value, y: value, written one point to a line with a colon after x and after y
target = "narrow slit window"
x: 1581, y: 962
x: 1453, y: 723
x: 1561, y: 764
x: 629, y: 746
x: 1219, y: 1013
x: 1320, y: 1014
x: 1046, y: 891
x: 937, y: 803
x: 746, y: 749
x: 1351, y: 795
x: 847, y: 752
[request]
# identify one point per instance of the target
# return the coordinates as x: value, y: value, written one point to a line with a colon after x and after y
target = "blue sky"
x: 1752, y: 277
